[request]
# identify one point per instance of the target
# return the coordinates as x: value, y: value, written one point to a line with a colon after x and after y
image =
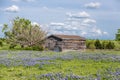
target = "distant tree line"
x: 97, y: 44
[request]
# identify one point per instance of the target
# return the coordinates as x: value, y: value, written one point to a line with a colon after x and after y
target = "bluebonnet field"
x: 35, y: 65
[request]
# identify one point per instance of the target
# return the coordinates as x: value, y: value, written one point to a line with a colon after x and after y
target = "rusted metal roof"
x: 69, y: 37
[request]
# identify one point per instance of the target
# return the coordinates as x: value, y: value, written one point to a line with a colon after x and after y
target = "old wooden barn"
x: 65, y: 42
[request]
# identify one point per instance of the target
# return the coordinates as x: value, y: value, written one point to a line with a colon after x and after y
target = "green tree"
x: 110, y: 45
x: 98, y: 44
x: 104, y: 43
x: 118, y: 35
x: 87, y: 44
x: 92, y: 46
x: 24, y: 33
x: 1, y: 43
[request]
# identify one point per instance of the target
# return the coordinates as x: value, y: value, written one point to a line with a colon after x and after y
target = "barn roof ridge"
x: 62, y: 36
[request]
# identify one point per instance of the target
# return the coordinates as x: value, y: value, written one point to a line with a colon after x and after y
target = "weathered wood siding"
x: 74, y: 44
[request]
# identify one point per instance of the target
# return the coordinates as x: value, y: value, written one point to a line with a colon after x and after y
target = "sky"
x: 93, y: 19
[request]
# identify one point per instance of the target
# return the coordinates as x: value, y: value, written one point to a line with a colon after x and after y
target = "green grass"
x: 75, y: 66
x: 106, y: 51
x: 78, y: 67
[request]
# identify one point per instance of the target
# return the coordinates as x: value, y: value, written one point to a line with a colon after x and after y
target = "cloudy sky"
x: 89, y: 18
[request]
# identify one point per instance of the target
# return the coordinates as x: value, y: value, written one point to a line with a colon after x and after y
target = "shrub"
x: 118, y: 35
x: 117, y: 45
x: 104, y: 44
x: 92, y: 46
x: 89, y: 43
x: 12, y: 46
x: 1, y: 43
x: 110, y: 45
x: 27, y: 48
x: 98, y: 44
x: 35, y: 48
x: 38, y: 48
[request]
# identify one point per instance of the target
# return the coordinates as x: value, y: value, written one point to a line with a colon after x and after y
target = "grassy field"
x: 35, y: 65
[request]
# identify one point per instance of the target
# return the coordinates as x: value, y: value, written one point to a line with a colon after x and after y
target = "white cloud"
x: 84, y: 26
x: 1, y: 25
x: 45, y: 27
x: 79, y: 15
x: 96, y: 31
x: 35, y: 23
x: 45, y: 7
x: 93, y: 5
x: 89, y: 21
x: 83, y: 33
x: 56, y: 24
x: 12, y: 8
x: 24, y: 0
x: 105, y: 33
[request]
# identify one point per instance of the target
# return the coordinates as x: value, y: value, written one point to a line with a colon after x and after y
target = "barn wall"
x: 52, y: 42
x: 73, y: 44
x: 65, y: 44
